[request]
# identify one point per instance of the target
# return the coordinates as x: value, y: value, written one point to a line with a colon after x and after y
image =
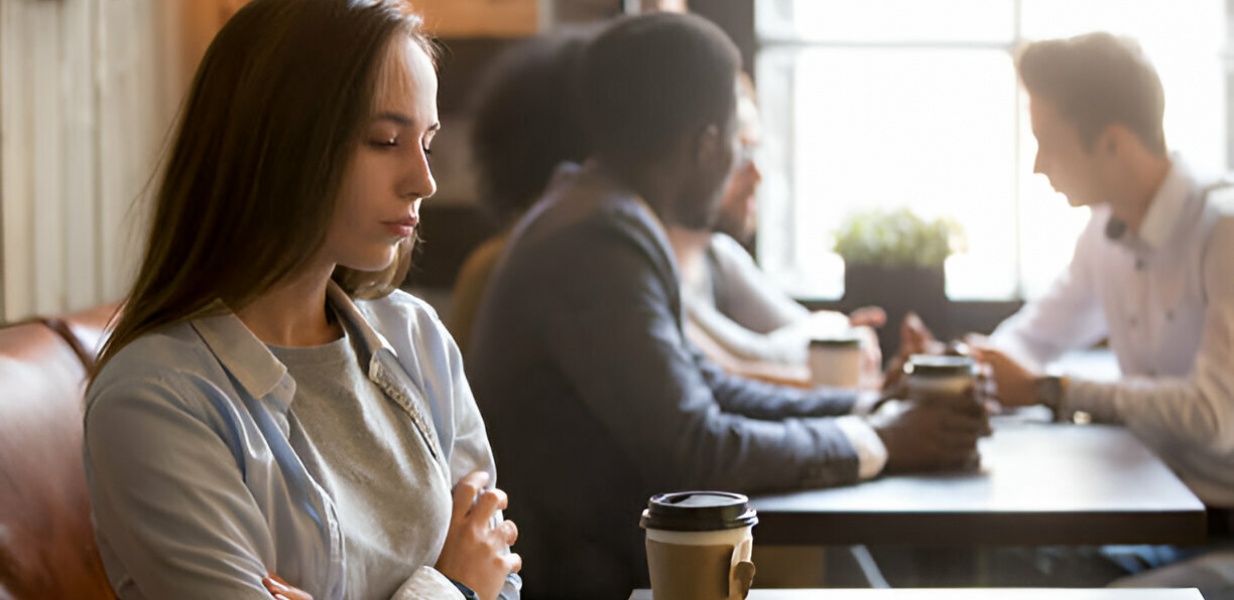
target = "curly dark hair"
x: 527, y: 119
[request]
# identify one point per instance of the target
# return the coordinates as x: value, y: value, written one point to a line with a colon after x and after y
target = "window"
x: 887, y: 103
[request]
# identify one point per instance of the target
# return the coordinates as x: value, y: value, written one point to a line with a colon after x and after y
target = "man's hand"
x: 1014, y: 385
x: 476, y: 553
x: 932, y: 434
x: 281, y: 590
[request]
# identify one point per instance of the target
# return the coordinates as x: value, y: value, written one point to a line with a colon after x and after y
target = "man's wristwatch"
x: 1050, y: 393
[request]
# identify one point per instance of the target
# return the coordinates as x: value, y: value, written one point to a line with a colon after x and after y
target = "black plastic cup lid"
x: 698, y: 511
x: 938, y: 365
x: 839, y: 342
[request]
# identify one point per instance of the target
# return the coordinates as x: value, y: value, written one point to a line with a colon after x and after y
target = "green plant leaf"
x: 895, y: 238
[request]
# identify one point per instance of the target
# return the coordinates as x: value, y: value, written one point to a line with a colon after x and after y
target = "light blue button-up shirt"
x: 195, y: 489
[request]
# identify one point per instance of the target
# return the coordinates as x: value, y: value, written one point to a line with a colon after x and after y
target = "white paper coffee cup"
x: 835, y: 362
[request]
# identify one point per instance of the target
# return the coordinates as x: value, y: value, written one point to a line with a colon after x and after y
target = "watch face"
x: 1049, y: 391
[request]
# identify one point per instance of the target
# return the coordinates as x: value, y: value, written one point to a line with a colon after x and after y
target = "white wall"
x: 87, y: 92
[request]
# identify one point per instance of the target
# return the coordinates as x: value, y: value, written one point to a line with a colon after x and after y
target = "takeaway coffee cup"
x: 698, y: 545
x: 835, y: 361
x: 937, y: 376
x: 941, y: 378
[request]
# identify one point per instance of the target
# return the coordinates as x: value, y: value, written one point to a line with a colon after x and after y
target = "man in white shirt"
x: 1153, y: 272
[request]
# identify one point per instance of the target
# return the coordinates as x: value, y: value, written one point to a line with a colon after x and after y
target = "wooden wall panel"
x: 83, y: 109
x: 480, y: 18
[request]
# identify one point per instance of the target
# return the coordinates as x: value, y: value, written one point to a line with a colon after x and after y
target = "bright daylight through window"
x: 890, y: 103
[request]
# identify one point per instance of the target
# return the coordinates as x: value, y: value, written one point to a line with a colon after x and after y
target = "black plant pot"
x: 898, y: 290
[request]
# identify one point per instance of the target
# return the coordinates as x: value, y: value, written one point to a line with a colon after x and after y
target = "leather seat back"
x: 47, y: 546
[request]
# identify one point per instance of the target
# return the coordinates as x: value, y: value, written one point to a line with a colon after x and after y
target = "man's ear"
x: 1115, y: 139
x: 708, y: 146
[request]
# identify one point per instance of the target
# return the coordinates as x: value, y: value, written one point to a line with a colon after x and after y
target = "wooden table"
x: 966, y: 594
x: 1039, y: 484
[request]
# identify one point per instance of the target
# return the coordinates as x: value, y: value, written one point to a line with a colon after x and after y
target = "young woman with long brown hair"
x: 269, y: 402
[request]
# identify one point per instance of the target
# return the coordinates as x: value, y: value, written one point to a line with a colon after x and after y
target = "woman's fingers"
x: 281, y: 590
x: 514, y: 562
x: 465, y: 492
x: 490, y: 502
x: 509, y: 532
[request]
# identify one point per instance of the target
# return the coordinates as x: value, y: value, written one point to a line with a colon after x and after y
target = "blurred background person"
x: 736, y: 315
x: 1151, y: 272
x: 526, y: 125
x: 594, y: 399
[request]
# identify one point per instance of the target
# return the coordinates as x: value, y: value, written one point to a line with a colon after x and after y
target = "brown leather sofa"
x: 47, y: 547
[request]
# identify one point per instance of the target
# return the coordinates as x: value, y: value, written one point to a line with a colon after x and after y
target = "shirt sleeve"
x: 763, y: 400
x: 785, y: 346
x: 1197, y: 410
x: 642, y: 381
x: 469, y: 448
x: 428, y: 582
x: 745, y: 293
x: 168, y: 498
x: 1068, y: 316
x: 871, y: 452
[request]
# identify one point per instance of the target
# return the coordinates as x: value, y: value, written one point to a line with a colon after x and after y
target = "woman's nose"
x: 419, y: 181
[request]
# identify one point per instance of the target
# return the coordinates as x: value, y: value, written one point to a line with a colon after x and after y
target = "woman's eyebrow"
x: 403, y: 120
x: 397, y: 118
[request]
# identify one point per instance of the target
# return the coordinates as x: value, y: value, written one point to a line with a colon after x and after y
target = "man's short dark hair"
x: 1096, y: 80
x: 648, y: 80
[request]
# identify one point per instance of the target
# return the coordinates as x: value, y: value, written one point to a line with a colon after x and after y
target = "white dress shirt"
x: 1164, y: 296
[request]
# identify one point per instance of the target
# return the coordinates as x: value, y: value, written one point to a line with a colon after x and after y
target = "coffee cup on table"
x: 698, y: 545
x: 938, y: 376
x: 835, y: 361
x: 942, y: 378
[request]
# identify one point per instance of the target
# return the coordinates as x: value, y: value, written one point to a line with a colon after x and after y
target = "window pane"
x: 898, y: 21
x: 932, y: 129
x: 1047, y: 225
x: 878, y: 110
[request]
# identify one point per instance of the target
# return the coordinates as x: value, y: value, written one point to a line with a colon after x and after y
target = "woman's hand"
x: 281, y: 590
x: 476, y: 553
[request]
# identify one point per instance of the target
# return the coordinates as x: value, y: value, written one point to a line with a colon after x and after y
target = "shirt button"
x: 1133, y: 321
x: 1169, y: 315
x: 1139, y: 264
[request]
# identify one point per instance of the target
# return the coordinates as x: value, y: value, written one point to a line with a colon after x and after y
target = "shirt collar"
x: 1167, y: 205
x: 248, y: 359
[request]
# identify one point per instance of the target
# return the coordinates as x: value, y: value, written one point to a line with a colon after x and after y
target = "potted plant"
x: 894, y: 259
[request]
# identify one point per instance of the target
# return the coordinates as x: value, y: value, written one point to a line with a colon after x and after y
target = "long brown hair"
x: 253, y: 173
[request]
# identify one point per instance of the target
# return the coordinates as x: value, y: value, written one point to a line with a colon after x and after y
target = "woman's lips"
x: 403, y: 228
